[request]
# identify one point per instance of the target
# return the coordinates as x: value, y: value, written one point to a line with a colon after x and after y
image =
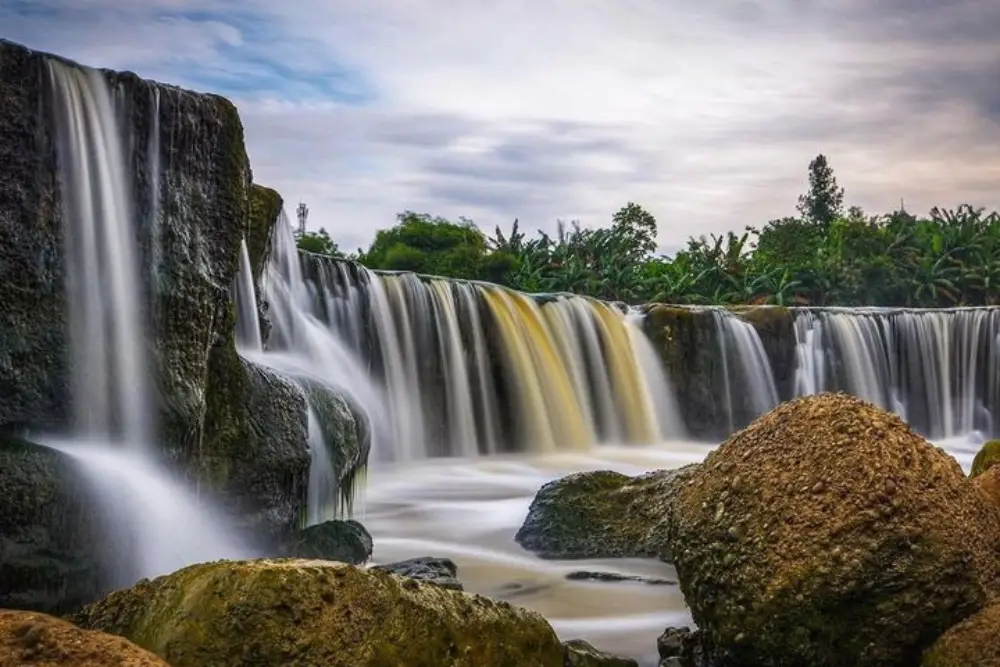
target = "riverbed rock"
x: 300, y: 613
x: 579, y: 653
x: 342, y: 541
x: 31, y: 639
x: 51, y: 551
x: 438, y: 571
x: 603, y: 514
x: 829, y: 533
x: 987, y: 457
x: 971, y: 643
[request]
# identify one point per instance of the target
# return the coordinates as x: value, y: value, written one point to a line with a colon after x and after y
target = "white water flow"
x: 245, y: 298
x: 747, y: 378
x: 451, y: 357
x: 938, y: 369
x: 108, y: 359
x: 156, y: 525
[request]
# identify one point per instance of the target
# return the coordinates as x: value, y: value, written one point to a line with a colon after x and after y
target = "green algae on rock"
x: 971, y: 643
x: 300, y: 613
x: 602, y: 514
x: 828, y: 533
x: 987, y: 457
x: 30, y: 639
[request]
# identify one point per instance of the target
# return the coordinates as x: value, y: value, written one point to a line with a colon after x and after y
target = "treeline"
x: 824, y: 256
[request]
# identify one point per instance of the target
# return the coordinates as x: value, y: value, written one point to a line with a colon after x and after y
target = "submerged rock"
x: 51, y: 550
x: 582, y: 654
x: 438, y: 571
x: 342, y: 541
x: 614, y: 577
x: 829, y: 533
x: 971, y: 643
x: 602, y: 514
x: 29, y: 639
x: 987, y: 457
x: 298, y: 613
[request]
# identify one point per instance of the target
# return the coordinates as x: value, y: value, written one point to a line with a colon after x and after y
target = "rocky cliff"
x: 194, y: 202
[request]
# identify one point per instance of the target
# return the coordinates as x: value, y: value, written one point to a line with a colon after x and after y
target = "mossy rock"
x: 52, y: 550
x: 602, y: 514
x: 299, y: 613
x: 341, y: 541
x: 828, y: 533
x: 31, y: 639
x: 971, y: 643
x: 265, y: 207
x: 987, y: 457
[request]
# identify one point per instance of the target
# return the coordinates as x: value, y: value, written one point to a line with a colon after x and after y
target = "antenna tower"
x: 303, y: 213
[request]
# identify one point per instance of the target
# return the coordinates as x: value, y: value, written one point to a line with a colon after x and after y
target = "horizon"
x: 570, y: 110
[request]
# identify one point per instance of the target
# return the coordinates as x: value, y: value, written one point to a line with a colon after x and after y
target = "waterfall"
x: 938, y: 369
x: 109, y: 370
x: 154, y: 524
x: 748, y: 387
x: 433, y: 363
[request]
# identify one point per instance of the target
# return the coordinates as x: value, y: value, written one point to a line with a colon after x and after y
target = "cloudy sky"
x: 706, y: 113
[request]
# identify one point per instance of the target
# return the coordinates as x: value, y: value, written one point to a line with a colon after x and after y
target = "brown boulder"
x: 828, y: 533
x: 32, y: 639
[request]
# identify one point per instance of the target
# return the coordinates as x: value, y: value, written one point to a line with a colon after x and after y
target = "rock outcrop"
x: 829, y: 533
x: 29, y: 639
x: 438, y: 571
x: 603, y: 514
x: 240, y: 430
x: 582, y: 654
x: 297, y: 613
x: 51, y: 547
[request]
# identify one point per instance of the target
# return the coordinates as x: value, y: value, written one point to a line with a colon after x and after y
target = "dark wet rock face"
x: 438, y: 571
x: 602, y: 514
x: 828, y: 533
x: 50, y: 540
x: 341, y: 541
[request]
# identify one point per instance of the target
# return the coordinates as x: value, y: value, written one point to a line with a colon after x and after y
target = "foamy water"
x: 470, y: 510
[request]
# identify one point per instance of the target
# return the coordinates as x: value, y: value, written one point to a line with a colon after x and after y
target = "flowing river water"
x: 470, y: 509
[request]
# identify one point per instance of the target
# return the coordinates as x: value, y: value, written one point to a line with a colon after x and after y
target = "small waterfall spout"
x: 110, y: 392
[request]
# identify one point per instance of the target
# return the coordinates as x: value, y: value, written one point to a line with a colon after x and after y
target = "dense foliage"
x: 824, y: 256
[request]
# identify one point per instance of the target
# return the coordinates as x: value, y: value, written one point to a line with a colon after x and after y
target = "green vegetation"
x: 826, y: 256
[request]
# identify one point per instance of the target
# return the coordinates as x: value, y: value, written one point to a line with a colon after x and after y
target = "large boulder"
x: 603, y: 514
x: 297, y: 613
x: 829, y: 533
x: 50, y: 544
x: 29, y: 639
x: 971, y: 643
x: 342, y: 541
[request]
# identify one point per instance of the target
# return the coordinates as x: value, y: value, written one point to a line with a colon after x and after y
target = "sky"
x: 705, y: 113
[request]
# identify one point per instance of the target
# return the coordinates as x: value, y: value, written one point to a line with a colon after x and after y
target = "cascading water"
x: 748, y: 386
x: 433, y: 363
x: 939, y: 370
x: 157, y: 525
x: 110, y: 392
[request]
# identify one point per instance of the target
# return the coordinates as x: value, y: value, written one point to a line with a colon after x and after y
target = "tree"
x: 824, y: 202
x: 319, y: 243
